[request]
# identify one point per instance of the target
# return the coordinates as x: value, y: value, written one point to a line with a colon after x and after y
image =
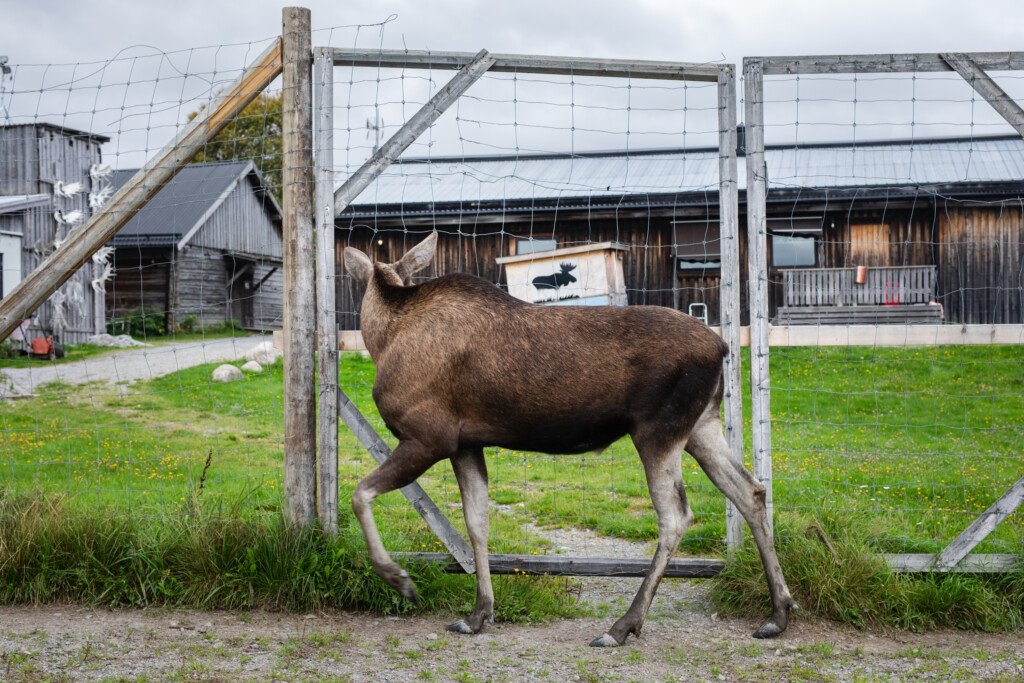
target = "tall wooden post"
x: 326, y: 316
x: 757, y: 257
x: 729, y: 232
x: 299, y: 293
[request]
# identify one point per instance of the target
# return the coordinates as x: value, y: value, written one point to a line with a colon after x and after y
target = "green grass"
x: 210, y: 560
x: 855, y: 585
x: 76, y: 352
x: 904, y: 445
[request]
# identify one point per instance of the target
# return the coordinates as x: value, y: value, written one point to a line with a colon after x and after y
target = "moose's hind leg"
x: 709, y: 448
x: 471, y: 473
x: 663, y: 468
x: 407, y: 462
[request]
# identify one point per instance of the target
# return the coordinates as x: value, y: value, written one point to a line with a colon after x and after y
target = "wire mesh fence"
x: 894, y: 210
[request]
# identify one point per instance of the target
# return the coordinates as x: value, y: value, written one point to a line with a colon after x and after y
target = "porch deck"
x: 832, y: 296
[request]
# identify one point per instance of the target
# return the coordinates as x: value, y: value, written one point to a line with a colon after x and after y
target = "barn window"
x: 696, y: 244
x: 531, y: 245
x: 794, y: 241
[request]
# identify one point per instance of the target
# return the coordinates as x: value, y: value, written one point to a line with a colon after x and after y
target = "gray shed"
x: 207, y: 246
x: 47, y: 173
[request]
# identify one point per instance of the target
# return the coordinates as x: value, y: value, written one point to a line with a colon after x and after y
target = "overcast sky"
x: 82, y: 33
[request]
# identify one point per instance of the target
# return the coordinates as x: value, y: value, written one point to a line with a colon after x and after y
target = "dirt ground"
x: 683, y: 640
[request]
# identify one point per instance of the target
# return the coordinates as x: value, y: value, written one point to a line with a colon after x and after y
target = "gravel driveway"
x: 126, y: 365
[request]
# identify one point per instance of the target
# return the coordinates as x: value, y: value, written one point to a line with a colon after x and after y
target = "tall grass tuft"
x: 845, y: 580
x: 207, y: 561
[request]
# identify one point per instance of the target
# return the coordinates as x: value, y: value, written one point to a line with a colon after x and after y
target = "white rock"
x: 121, y: 341
x: 252, y: 366
x: 226, y: 373
x: 263, y: 353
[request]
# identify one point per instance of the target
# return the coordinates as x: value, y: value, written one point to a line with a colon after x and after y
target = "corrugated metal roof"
x: 613, y: 174
x: 20, y: 202
x: 180, y: 205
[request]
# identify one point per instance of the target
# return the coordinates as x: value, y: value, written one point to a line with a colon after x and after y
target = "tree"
x: 254, y: 134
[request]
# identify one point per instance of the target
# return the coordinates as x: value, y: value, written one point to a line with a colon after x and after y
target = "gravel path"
x: 126, y: 365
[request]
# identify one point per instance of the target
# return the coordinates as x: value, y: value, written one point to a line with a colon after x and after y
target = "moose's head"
x: 397, y: 274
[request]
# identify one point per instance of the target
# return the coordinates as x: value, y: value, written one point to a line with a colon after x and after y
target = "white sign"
x: 581, y: 276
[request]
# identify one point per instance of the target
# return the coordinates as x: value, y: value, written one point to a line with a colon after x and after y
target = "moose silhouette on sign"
x: 556, y: 280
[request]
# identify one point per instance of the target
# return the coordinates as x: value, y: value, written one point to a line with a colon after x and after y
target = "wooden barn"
x: 937, y: 225
x: 204, y: 250
x: 47, y: 175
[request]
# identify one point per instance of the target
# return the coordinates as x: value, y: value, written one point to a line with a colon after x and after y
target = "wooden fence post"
x: 757, y: 257
x: 327, y: 324
x: 299, y: 292
x: 729, y: 234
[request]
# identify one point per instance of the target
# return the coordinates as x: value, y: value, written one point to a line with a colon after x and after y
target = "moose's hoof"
x: 461, y: 626
x: 400, y: 581
x: 604, y: 640
x: 769, y: 630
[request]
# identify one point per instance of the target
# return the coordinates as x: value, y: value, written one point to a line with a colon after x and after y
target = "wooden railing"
x: 838, y: 287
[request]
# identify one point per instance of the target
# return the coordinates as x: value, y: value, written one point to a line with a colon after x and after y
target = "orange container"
x: 862, y: 275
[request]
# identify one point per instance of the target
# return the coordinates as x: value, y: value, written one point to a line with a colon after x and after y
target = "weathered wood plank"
x: 412, y: 129
x: 757, y: 254
x: 858, y: 335
x: 564, y: 565
x: 987, y: 88
x: 568, y: 66
x: 82, y: 242
x: 326, y: 316
x: 912, y: 334
x: 728, y: 203
x: 977, y: 563
x: 879, y: 63
x: 299, y: 289
x: 414, y: 493
x: 980, y: 528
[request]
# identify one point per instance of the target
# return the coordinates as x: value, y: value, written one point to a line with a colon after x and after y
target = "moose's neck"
x: 381, y: 309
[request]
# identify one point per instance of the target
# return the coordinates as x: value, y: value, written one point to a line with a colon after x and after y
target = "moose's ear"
x: 417, y: 258
x: 358, y: 264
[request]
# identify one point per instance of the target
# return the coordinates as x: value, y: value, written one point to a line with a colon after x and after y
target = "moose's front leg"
x: 471, y: 473
x: 407, y: 462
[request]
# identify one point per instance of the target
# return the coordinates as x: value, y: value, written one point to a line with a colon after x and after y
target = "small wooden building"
x: 954, y: 205
x: 205, y: 249
x: 45, y: 183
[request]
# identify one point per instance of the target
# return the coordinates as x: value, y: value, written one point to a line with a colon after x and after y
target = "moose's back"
x: 559, y: 379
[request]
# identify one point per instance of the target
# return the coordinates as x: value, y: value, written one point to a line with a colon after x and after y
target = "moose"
x: 462, y: 365
x: 556, y: 280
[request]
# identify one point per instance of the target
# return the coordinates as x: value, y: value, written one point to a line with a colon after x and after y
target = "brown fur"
x: 462, y: 365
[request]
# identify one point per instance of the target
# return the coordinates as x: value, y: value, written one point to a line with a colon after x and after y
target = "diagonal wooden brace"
x: 407, y: 134
x: 981, y: 527
x: 85, y: 240
x: 415, y: 494
x: 987, y: 88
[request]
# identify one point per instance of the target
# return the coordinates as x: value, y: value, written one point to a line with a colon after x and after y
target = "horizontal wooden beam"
x: 891, y: 63
x: 972, y: 564
x: 564, y: 565
x: 851, y: 335
x: 529, y: 64
x: 894, y: 335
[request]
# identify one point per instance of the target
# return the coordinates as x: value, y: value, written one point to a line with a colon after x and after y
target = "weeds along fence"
x: 884, y: 197
x: 877, y: 282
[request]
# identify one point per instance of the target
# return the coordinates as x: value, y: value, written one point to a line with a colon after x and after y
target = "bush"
x: 138, y: 323
x: 189, y: 324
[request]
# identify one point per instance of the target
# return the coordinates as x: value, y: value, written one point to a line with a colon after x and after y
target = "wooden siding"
x: 141, y: 279
x: 19, y: 160
x: 200, y: 286
x: 980, y: 260
x: 268, y: 300
x: 242, y: 224
x: 648, y: 265
x: 32, y: 160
